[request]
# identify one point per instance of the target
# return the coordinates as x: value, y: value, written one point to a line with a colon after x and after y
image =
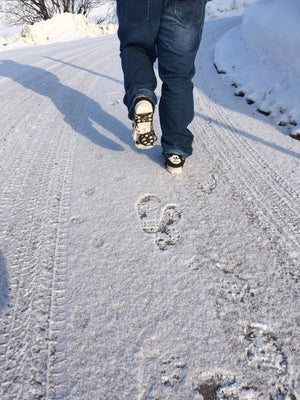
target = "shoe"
x: 142, y: 128
x: 174, y: 163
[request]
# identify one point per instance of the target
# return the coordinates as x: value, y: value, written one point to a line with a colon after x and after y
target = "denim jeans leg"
x: 138, y: 29
x: 178, y: 42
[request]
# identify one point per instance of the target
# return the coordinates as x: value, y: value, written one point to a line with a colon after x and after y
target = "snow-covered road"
x: 121, y: 281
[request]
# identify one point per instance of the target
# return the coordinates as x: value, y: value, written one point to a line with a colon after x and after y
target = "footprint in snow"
x: 263, y: 352
x: 161, y: 223
x: 149, y: 213
x: 265, y: 372
x: 221, y: 385
x: 167, y: 233
x: 161, y: 374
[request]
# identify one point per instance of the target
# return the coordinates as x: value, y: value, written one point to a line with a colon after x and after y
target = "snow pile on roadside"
x: 215, y: 7
x: 8, y: 31
x: 261, y: 57
x: 60, y: 28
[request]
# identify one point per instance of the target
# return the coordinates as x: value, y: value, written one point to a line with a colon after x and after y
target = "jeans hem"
x: 142, y: 94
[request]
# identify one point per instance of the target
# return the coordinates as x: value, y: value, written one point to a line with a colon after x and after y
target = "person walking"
x: 169, y: 31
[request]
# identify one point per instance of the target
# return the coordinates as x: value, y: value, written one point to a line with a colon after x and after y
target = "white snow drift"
x: 262, y: 58
x: 215, y: 7
x: 60, y: 28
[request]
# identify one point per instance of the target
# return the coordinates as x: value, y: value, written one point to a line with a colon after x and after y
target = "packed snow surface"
x: 121, y: 281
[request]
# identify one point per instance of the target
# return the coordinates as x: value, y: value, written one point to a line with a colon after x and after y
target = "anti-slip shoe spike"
x: 142, y: 128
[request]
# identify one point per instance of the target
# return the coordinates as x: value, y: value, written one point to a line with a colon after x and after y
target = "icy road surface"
x: 120, y: 281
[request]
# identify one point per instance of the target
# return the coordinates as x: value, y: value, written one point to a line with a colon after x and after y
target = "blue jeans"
x: 169, y: 31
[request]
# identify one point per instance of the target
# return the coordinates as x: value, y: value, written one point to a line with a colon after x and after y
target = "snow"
x: 8, y: 31
x: 119, y: 280
x: 60, y: 28
x: 64, y: 27
x: 215, y: 8
x: 261, y: 57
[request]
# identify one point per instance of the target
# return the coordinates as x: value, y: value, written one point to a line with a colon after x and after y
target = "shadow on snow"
x: 79, y: 110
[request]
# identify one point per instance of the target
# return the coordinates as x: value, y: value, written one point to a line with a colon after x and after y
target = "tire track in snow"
x: 272, y: 205
x: 36, y: 177
x: 34, y: 206
x: 269, y: 200
x: 32, y: 229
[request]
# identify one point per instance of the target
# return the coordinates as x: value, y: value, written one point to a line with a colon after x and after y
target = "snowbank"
x: 215, y: 7
x: 61, y: 28
x: 8, y: 31
x: 261, y: 57
x: 268, y: 26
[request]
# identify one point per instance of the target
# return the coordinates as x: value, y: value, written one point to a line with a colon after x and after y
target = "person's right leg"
x: 178, y: 42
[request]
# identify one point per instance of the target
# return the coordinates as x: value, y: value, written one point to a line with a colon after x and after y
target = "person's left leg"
x: 138, y: 28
